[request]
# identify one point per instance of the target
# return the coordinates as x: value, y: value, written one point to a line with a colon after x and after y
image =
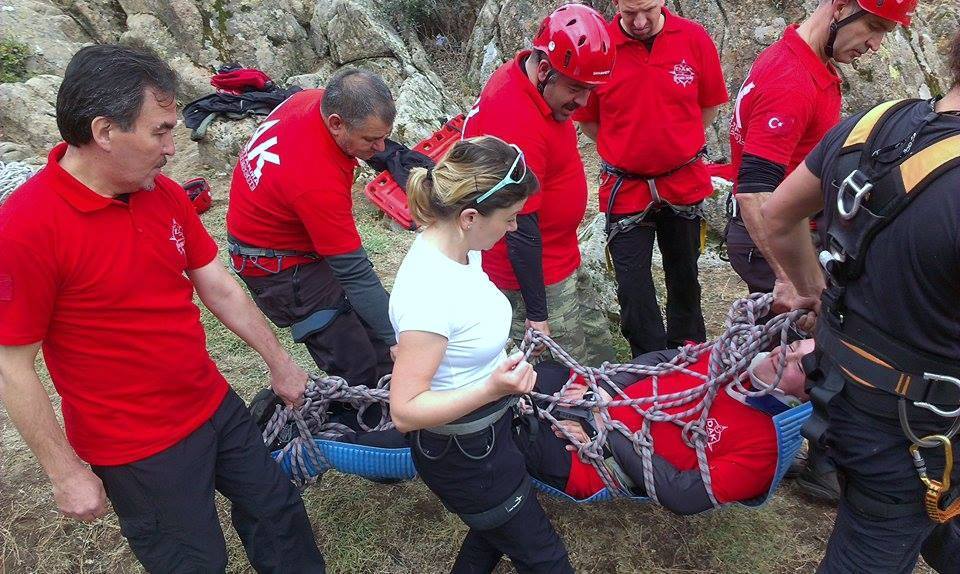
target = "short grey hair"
x: 355, y: 95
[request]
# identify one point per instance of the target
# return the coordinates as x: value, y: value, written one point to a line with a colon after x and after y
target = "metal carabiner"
x: 943, y: 379
x: 860, y: 193
x: 944, y: 484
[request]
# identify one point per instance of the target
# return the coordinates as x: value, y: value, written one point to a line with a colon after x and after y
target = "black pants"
x: 870, y: 452
x: 468, y: 486
x: 347, y: 348
x: 640, y: 319
x: 166, y: 507
x: 746, y: 259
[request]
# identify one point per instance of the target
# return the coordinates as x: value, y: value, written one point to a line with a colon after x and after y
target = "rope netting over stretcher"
x: 730, y: 356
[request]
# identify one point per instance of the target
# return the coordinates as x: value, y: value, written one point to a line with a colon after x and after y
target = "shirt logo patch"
x: 714, y: 430
x: 683, y: 74
x: 257, y: 154
x: 177, y: 237
x: 775, y: 123
x: 6, y: 287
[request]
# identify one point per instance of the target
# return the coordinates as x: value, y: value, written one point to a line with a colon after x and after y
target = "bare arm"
x: 231, y: 305
x: 77, y: 491
x: 709, y: 115
x: 751, y: 206
x: 414, y: 406
x: 590, y: 129
x: 785, y: 216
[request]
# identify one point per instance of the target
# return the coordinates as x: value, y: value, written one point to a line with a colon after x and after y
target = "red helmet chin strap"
x: 837, y: 24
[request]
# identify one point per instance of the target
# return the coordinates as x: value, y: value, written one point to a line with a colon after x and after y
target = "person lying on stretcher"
x: 741, y: 440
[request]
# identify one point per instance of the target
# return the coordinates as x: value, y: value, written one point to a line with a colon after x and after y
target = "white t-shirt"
x: 435, y: 294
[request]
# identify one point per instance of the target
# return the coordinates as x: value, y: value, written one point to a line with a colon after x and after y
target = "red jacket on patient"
x: 742, y: 443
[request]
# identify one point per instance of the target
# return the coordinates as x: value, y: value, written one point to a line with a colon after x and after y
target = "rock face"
x: 291, y: 40
x: 27, y: 113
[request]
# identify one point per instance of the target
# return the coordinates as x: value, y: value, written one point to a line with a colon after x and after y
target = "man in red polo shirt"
x: 292, y: 236
x: 789, y: 100
x: 741, y: 441
x: 102, y: 254
x: 528, y: 102
x: 648, y: 122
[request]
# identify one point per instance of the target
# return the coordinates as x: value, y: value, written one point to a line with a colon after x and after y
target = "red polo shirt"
x: 291, y: 188
x: 101, y: 283
x: 650, y: 113
x: 511, y: 108
x: 742, y: 443
x: 790, y: 99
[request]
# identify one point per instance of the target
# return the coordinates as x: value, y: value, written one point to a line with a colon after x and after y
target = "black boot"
x: 819, y: 479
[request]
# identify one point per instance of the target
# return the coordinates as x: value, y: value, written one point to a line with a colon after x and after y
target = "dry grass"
x: 369, y: 528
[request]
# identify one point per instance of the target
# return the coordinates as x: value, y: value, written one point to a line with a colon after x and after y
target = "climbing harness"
x: 874, y: 185
x: 612, y: 229
x: 312, y: 452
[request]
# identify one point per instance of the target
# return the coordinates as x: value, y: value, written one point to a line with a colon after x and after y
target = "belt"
x: 478, y: 420
x: 890, y: 366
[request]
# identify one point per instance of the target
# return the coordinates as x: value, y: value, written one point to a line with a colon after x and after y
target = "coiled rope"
x: 12, y: 176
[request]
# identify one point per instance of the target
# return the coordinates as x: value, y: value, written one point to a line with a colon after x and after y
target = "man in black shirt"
x: 889, y: 310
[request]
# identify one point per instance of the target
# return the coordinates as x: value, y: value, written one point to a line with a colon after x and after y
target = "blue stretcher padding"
x: 396, y: 463
x: 366, y: 461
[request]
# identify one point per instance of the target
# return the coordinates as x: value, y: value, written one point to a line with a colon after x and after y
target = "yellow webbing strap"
x: 921, y: 164
x: 861, y: 131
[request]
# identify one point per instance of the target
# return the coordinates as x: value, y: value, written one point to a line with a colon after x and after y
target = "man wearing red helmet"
x: 789, y: 100
x: 528, y: 101
x: 648, y: 122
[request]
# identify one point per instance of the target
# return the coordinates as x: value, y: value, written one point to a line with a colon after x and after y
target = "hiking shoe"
x: 797, y: 466
x: 262, y: 408
x: 819, y: 484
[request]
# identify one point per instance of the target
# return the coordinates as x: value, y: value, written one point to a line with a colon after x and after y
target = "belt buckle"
x: 933, y: 377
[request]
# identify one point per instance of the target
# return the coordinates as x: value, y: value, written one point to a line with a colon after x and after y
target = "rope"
x: 730, y: 355
x: 12, y: 175
x: 311, y: 421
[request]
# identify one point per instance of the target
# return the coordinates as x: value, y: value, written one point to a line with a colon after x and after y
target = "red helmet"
x: 577, y: 44
x: 198, y: 190
x: 900, y: 11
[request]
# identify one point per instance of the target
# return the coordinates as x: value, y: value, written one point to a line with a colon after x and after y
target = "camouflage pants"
x: 576, y: 321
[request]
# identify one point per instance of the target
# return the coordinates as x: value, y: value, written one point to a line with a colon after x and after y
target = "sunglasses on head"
x: 510, y: 178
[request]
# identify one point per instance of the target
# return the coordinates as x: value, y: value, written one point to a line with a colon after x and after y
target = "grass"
x: 364, y: 527
x: 13, y: 60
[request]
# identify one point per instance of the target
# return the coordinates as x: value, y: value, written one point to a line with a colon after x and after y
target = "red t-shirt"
x: 511, y: 108
x: 101, y: 283
x: 291, y: 188
x: 742, y: 443
x: 650, y: 113
x: 788, y: 102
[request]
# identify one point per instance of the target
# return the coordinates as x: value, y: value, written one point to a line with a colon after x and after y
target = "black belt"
x: 887, y: 364
x: 240, y: 249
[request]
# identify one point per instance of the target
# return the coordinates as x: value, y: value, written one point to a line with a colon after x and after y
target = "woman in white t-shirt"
x: 453, y: 386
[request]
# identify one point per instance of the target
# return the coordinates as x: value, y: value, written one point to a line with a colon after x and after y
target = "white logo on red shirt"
x: 714, y: 430
x: 683, y: 74
x: 177, y: 237
x: 775, y: 123
x: 736, y: 123
x: 259, y: 154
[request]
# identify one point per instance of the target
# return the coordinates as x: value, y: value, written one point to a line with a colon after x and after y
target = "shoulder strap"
x: 867, y: 125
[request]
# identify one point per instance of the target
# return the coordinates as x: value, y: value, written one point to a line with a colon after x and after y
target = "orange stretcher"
x: 386, y: 193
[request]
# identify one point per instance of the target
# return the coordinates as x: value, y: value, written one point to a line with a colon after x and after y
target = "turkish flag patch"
x: 6, y: 287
